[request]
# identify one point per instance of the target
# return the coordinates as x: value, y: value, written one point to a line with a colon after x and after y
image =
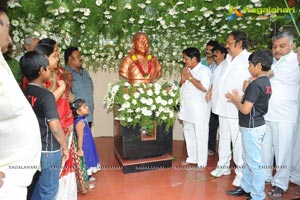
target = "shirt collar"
x: 73, y: 70
x: 286, y: 57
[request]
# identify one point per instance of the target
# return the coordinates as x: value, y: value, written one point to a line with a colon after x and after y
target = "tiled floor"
x: 176, y: 183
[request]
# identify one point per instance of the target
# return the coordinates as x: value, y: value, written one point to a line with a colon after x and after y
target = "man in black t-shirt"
x: 35, y: 67
x: 252, y: 107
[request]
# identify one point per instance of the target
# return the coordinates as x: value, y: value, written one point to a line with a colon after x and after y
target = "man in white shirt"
x: 210, y: 62
x: 233, y: 72
x: 281, y: 118
x: 20, y: 143
x: 194, y: 110
x: 295, y: 171
x: 219, y: 54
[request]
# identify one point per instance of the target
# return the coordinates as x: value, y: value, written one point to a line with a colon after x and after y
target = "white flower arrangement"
x: 143, y: 104
x: 97, y: 27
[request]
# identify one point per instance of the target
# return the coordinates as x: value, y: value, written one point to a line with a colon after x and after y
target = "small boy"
x: 252, y: 107
x: 35, y: 67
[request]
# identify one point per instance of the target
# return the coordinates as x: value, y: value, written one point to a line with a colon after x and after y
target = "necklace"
x: 50, y: 84
x: 139, y: 66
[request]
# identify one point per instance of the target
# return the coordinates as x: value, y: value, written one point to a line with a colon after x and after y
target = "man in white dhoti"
x: 234, y: 72
x: 194, y: 110
x: 20, y: 140
x: 281, y: 118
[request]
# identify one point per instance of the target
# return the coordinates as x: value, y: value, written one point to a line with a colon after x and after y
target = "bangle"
x: 190, y: 78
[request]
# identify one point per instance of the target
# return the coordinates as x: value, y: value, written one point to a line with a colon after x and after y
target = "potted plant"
x: 144, y: 115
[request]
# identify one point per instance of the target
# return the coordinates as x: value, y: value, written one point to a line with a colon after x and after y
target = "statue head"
x: 140, y: 42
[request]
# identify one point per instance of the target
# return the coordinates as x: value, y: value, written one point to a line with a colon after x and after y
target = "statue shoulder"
x: 126, y: 61
x: 154, y: 57
x: 155, y: 60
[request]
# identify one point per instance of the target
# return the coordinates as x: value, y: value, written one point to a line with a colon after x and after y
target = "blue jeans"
x: 253, y: 180
x: 47, y: 186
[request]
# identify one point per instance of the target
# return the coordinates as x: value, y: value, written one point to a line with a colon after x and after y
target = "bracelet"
x: 79, y: 147
x: 190, y: 78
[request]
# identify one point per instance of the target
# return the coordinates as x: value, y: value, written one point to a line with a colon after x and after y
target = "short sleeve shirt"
x: 258, y: 93
x: 83, y: 88
x: 44, y: 106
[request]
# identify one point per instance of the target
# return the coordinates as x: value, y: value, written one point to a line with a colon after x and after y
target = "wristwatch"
x: 190, y: 78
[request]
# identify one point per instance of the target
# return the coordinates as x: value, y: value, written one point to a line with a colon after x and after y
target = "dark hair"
x: 48, y: 41
x: 2, y: 10
x: 45, y: 49
x: 31, y: 63
x: 220, y: 48
x: 212, y: 43
x: 192, y: 52
x: 3, y: 7
x: 75, y: 105
x: 68, y: 53
x: 240, y: 36
x: 264, y: 57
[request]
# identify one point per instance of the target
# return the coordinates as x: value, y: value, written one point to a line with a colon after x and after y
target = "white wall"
x: 103, y: 121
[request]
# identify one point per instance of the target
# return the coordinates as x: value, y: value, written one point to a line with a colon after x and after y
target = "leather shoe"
x: 238, y: 192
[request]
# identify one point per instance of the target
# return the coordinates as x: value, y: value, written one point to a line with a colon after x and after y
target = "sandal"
x: 275, y: 193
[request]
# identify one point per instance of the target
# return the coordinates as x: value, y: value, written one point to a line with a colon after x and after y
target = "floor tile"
x: 175, y: 183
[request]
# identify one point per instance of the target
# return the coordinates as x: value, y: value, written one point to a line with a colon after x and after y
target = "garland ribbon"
x: 139, y: 66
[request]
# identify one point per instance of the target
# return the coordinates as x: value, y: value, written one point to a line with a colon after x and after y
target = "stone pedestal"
x: 137, y: 150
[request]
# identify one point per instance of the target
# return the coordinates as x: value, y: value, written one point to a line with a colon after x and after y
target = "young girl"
x: 86, y: 144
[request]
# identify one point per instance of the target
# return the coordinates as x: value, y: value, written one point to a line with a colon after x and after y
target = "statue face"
x: 141, y: 43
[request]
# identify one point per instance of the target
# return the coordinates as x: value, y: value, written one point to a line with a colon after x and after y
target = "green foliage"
x: 103, y: 29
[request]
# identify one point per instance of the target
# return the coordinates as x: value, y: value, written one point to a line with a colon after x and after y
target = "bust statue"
x: 140, y: 66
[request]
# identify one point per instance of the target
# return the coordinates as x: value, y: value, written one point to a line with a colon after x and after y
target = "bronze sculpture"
x: 140, y: 66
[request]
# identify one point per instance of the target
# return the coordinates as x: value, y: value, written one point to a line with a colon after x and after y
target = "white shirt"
x: 283, y: 104
x: 20, y: 140
x: 193, y: 105
x: 230, y: 74
x: 215, y: 83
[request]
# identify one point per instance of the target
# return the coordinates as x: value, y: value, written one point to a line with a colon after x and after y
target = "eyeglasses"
x: 230, y: 42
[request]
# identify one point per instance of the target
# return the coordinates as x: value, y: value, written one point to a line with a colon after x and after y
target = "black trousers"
x: 213, y: 128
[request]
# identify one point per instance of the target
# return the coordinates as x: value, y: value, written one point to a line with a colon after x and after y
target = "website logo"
x: 263, y: 10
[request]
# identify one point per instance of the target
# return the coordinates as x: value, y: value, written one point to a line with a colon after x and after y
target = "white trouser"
x: 295, y: 171
x: 280, y: 136
x: 10, y: 191
x: 196, y: 138
x: 229, y: 132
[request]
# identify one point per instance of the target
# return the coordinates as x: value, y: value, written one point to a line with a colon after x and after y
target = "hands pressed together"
x: 234, y: 96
